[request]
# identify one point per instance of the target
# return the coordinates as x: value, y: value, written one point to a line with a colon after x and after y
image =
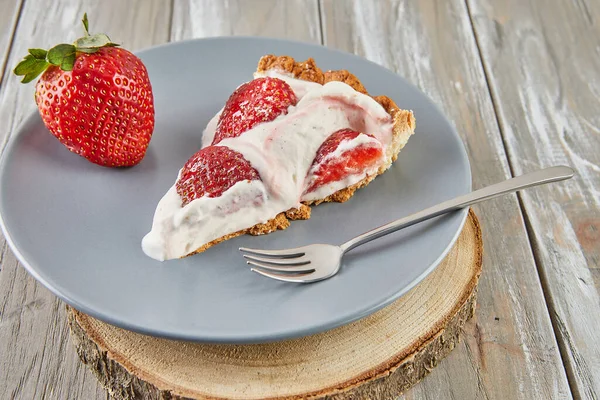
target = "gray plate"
x: 77, y: 227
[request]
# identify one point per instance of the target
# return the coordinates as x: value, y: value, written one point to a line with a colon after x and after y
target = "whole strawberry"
x: 94, y: 97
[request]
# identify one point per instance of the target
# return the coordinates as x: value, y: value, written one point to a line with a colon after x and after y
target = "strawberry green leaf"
x: 24, y: 66
x: 40, y: 67
x: 93, y: 42
x: 85, y: 24
x: 62, y: 55
x: 40, y: 54
x: 27, y: 65
x: 88, y: 51
x: 30, y: 68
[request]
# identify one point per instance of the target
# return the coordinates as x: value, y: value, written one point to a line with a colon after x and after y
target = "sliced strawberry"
x: 211, y: 171
x: 327, y: 169
x: 260, y: 100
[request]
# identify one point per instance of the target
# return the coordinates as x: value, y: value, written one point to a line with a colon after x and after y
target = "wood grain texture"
x: 509, y: 349
x: 37, y: 360
x: 377, y: 357
x: 542, y: 64
x: 8, y: 23
x: 292, y: 19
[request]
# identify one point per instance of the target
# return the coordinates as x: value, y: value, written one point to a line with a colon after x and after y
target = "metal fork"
x: 321, y: 261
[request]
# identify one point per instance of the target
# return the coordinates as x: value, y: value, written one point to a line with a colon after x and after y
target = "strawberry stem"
x: 86, y: 27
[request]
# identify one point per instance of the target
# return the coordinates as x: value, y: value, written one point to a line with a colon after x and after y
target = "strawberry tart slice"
x: 292, y: 137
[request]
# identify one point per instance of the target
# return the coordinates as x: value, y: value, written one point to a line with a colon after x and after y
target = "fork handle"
x: 547, y: 175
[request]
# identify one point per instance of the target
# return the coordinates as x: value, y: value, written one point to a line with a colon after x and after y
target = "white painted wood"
x: 509, y: 351
x: 543, y: 63
x: 8, y: 21
x: 293, y: 19
x: 36, y: 358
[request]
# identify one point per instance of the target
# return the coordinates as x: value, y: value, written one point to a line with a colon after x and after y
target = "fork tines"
x: 286, y: 262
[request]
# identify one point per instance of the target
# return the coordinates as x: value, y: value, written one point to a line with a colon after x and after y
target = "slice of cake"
x: 290, y: 138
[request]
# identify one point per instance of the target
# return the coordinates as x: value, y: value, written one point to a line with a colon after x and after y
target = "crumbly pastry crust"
x: 403, y: 128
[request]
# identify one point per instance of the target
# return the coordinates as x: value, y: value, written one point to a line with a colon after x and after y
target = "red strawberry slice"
x: 326, y: 169
x: 211, y: 171
x: 260, y: 100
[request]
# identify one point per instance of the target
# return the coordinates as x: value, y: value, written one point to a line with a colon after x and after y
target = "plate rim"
x: 33, y: 117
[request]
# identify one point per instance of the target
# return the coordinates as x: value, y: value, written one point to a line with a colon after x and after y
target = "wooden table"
x: 520, y: 81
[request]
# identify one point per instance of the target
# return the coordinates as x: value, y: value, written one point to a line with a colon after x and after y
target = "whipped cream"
x: 208, y: 134
x: 177, y: 231
x: 273, y: 150
x: 299, y: 87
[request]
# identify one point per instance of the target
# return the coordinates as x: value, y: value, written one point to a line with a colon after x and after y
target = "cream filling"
x: 177, y: 231
x: 211, y: 128
x: 272, y: 149
x: 299, y: 86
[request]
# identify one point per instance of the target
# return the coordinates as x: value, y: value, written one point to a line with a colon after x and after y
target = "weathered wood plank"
x: 293, y: 19
x: 8, y: 21
x: 37, y: 360
x: 510, y: 350
x: 543, y: 65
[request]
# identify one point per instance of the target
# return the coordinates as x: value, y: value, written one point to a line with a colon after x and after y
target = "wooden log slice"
x: 376, y: 357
